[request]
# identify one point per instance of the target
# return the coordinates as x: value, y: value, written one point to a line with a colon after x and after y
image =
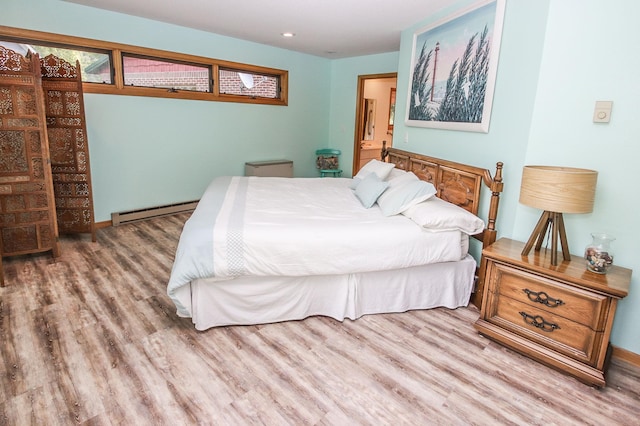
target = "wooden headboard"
x: 459, y: 184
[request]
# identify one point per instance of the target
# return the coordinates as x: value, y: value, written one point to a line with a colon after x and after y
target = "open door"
x: 375, y: 108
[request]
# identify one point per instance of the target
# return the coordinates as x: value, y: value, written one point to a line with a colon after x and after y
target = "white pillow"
x: 394, y: 173
x: 369, y: 189
x: 435, y: 214
x: 404, y: 192
x: 396, y: 180
x: 393, y: 182
x: 380, y: 168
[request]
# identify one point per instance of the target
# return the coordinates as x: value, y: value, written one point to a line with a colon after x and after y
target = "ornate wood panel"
x: 27, y: 215
x: 67, y: 134
x: 453, y: 185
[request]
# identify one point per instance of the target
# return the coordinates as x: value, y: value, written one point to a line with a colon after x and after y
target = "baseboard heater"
x: 121, y: 218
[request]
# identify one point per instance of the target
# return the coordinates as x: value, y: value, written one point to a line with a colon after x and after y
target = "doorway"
x: 375, y: 114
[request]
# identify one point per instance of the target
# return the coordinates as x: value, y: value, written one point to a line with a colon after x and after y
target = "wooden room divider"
x: 45, y: 178
x: 67, y: 134
x: 27, y: 206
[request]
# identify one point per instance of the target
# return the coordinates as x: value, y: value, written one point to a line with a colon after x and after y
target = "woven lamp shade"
x: 558, y: 189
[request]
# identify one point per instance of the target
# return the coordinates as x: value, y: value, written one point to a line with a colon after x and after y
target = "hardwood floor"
x: 92, y: 338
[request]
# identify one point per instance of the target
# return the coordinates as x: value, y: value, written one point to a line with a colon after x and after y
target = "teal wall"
x: 150, y: 151
x: 556, y: 59
x: 590, y: 54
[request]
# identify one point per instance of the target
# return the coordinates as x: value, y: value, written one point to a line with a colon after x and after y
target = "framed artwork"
x: 453, y: 69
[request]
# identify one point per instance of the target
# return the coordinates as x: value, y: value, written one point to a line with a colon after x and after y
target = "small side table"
x: 559, y: 315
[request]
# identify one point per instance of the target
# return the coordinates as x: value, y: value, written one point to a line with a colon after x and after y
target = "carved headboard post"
x: 496, y: 186
x: 490, y: 233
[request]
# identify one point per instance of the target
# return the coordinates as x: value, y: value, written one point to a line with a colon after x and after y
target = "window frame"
x: 117, y: 50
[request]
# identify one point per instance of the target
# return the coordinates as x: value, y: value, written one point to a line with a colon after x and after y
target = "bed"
x: 258, y: 250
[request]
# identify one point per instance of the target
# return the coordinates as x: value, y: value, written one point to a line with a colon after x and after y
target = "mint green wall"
x: 590, y: 54
x: 557, y: 58
x: 150, y: 151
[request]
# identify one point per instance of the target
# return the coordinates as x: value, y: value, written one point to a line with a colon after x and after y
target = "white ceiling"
x: 326, y: 28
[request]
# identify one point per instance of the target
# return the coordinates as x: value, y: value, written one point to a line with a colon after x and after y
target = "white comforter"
x: 262, y: 226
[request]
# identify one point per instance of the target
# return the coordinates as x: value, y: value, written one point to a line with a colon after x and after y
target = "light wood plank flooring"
x: 92, y: 338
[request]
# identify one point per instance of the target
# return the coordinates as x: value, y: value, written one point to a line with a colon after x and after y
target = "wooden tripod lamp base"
x: 556, y: 190
x: 556, y: 222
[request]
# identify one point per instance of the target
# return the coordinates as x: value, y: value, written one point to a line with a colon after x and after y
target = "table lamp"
x: 556, y: 190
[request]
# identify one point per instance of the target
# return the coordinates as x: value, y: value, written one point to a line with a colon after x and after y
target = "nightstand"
x: 559, y: 315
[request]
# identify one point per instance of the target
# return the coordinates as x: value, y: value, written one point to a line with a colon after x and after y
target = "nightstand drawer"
x: 553, y: 331
x: 553, y: 297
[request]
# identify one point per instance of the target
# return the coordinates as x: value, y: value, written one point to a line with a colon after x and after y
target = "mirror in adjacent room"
x: 369, y: 119
x: 392, y: 110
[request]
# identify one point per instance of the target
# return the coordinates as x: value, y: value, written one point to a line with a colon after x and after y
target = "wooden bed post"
x: 489, y: 235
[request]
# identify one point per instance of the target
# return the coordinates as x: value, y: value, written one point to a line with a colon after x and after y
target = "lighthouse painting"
x: 453, y: 70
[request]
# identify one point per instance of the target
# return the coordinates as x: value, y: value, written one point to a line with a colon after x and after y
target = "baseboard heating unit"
x: 120, y: 218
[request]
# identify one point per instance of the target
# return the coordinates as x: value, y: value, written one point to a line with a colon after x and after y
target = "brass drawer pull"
x: 538, y: 322
x: 542, y: 297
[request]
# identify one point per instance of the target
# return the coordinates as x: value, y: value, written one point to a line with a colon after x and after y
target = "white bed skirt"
x: 261, y: 300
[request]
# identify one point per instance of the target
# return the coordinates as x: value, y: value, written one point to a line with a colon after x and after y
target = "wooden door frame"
x: 359, y: 116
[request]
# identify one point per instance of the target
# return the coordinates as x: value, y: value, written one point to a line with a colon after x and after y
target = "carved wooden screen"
x: 67, y: 131
x: 27, y: 215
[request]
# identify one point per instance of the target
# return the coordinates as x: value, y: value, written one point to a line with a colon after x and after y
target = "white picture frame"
x: 454, y: 64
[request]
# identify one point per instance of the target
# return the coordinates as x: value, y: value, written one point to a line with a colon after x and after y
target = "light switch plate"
x: 602, y: 112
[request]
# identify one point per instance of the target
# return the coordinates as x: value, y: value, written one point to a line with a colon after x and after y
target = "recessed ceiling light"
x: 288, y: 35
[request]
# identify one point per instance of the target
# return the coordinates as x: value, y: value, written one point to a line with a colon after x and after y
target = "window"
x: 147, y: 72
x: 235, y: 82
x: 118, y: 69
x: 95, y: 66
